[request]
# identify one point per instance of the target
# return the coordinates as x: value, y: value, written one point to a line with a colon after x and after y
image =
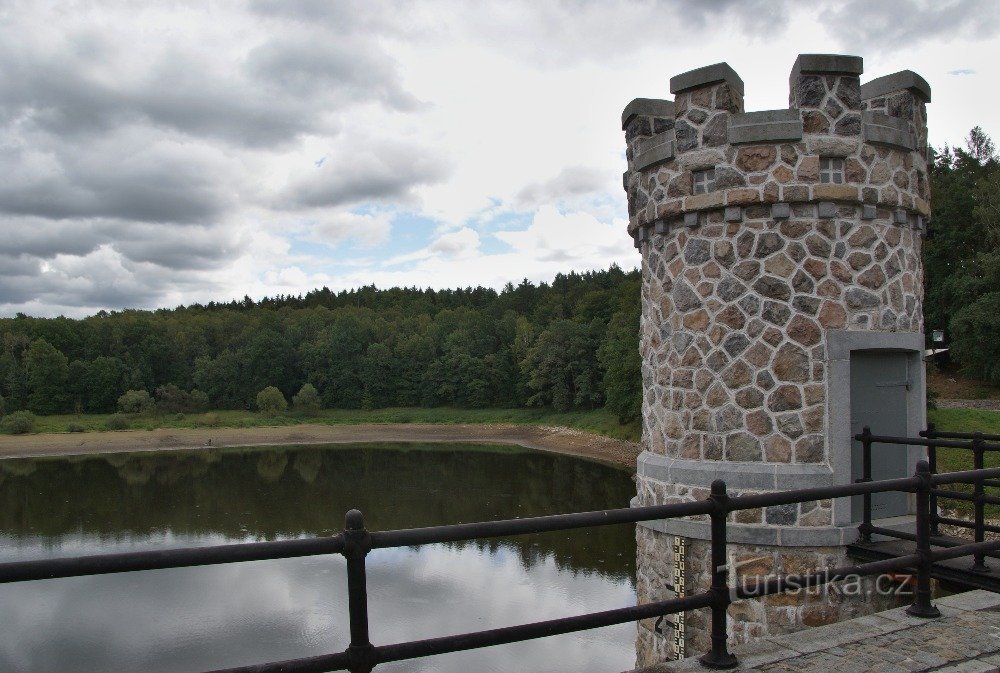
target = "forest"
x: 568, y: 344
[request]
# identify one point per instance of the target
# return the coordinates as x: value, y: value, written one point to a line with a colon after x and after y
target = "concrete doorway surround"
x: 876, y: 379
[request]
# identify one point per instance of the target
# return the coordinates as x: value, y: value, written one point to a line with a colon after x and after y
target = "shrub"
x: 271, y: 402
x: 306, y: 400
x: 199, y: 400
x: 3, y: 406
x: 170, y: 399
x: 117, y: 421
x: 179, y: 417
x: 75, y: 427
x: 19, y: 423
x: 211, y: 420
x: 135, y: 402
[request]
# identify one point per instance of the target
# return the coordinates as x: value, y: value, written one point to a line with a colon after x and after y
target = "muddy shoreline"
x: 542, y: 438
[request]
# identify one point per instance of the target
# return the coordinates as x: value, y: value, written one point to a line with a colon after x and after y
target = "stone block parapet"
x: 901, y: 97
x: 768, y: 125
x: 773, y: 156
x: 647, y: 107
x: 885, y: 130
x: 905, y: 80
x: 651, y: 151
x: 717, y: 73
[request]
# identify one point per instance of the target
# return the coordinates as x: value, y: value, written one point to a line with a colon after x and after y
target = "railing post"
x: 865, y: 529
x: 357, y: 545
x: 719, y: 656
x: 922, y: 606
x: 979, y: 458
x: 931, y: 433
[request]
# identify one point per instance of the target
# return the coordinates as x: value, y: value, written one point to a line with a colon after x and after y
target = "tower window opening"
x: 831, y: 170
x: 703, y: 181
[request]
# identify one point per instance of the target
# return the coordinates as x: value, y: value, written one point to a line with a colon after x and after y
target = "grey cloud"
x: 751, y: 16
x: 17, y: 290
x: 888, y: 24
x: 355, y: 69
x: 547, y: 33
x: 386, y: 172
x: 571, y: 182
x: 345, y: 14
x: 98, y: 288
x: 80, y: 266
x: 258, y: 95
x: 118, y: 176
x: 557, y: 34
x: 19, y: 265
x: 194, y: 248
x: 60, y: 97
x: 165, y: 245
x: 44, y: 239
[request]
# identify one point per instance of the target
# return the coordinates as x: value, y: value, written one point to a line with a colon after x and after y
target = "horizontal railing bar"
x: 538, y: 524
x: 919, y: 441
x: 967, y: 550
x: 820, y: 493
x: 774, y: 585
x: 889, y: 532
x: 513, y: 634
x: 470, y: 531
x: 965, y: 496
x: 965, y: 476
x: 103, y: 564
x: 962, y: 523
x: 488, y: 638
x: 339, y: 661
x: 936, y: 541
x: 960, y: 435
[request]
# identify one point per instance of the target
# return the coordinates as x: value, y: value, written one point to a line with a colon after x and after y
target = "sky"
x: 160, y: 154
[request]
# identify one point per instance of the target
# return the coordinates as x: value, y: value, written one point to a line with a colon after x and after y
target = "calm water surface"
x: 196, y: 619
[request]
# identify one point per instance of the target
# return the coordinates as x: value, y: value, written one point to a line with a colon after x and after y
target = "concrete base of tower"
x: 670, y: 565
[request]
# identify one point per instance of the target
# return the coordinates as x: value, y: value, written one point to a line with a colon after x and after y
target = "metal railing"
x: 977, y: 442
x: 356, y: 542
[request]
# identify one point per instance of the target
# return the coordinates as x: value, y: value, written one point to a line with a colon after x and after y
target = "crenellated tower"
x: 782, y: 286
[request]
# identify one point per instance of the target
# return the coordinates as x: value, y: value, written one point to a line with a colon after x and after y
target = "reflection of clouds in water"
x: 27, y: 547
x: 202, y: 618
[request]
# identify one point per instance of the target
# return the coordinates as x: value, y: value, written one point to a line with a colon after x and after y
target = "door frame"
x: 839, y: 346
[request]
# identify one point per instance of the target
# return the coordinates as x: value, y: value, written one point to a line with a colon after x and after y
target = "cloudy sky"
x: 154, y: 154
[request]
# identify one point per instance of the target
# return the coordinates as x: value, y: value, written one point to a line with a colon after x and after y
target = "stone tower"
x: 777, y: 248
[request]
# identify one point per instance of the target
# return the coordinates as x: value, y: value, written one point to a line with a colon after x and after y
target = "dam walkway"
x: 965, y: 639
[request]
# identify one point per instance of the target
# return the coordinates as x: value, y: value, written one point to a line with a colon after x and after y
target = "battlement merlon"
x: 896, y: 109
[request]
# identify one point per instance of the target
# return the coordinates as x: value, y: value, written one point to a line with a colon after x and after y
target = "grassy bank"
x: 951, y: 460
x: 597, y: 421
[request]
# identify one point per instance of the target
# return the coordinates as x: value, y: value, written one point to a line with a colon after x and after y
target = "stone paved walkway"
x: 966, y: 639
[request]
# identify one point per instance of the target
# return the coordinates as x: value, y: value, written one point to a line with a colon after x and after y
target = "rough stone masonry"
x: 773, y: 245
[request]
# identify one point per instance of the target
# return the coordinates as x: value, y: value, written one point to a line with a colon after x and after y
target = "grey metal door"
x: 880, y: 381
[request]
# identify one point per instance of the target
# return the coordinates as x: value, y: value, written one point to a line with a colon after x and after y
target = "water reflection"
x: 203, y: 618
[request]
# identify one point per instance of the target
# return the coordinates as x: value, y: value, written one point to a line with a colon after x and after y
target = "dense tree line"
x: 568, y: 344
x: 962, y: 255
